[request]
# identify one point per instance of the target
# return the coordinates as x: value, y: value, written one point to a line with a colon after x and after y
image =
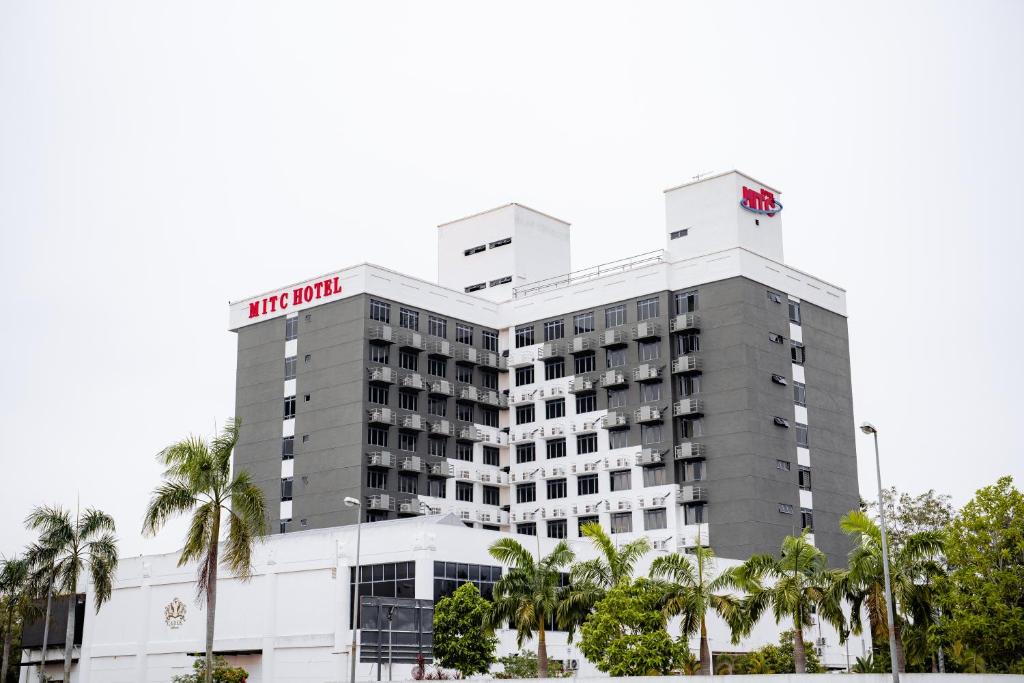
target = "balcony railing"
x: 470, y: 434
x: 411, y: 506
x: 380, y: 459
x: 647, y: 414
x: 466, y: 355
x: 412, y: 422
x: 381, y: 502
x: 412, y: 463
x: 410, y: 340
x: 613, y: 378
x: 613, y: 338
x: 380, y: 334
x: 684, y: 365
x: 412, y: 380
x: 688, y: 450
x: 493, y: 398
x: 551, y: 350
x: 693, y: 494
x: 440, y: 388
x: 582, y: 384
x: 647, y: 373
x: 602, y: 270
x: 684, y: 322
x: 646, y: 330
x: 614, y: 420
x: 440, y: 348
x: 583, y: 345
x: 382, y: 416
x: 467, y: 392
x: 440, y: 427
x: 688, y: 407
x: 440, y: 469
x: 382, y: 375
x: 649, y: 457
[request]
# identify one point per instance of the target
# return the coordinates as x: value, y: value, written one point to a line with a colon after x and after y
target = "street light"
x: 356, y: 503
x: 869, y: 428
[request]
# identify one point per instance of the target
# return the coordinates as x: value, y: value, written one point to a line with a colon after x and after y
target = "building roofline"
x: 504, y: 206
x: 724, y: 173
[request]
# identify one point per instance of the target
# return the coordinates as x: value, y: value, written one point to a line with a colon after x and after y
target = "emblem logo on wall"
x: 174, y: 613
x: 762, y: 202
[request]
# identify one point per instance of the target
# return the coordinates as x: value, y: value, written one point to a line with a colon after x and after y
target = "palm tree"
x: 67, y: 548
x: 530, y: 594
x: 692, y: 590
x: 800, y: 582
x: 863, y: 583
x: 198, y: 480
x: 16, y: 597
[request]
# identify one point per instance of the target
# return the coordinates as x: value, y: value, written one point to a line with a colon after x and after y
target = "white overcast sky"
x: 159, y: 159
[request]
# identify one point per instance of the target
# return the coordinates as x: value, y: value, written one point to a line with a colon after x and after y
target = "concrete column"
x: 142, y: 643
x: 270, y: 620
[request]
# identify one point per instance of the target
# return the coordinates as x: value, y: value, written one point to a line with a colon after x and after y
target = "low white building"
x: 291, y: 621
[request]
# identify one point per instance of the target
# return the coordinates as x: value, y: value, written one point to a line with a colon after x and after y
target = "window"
x: 436, y: 488
x: 785, y: 508
x: 807, y: 519
x: 648, y: 350
x: 408, y: 483
x: 464, y: 412
x: 525, y: 452
x: 691, y: 471
x: 289, y: 367
x: 307, y: 398
x: 650, y: 393
x: 689, y: 429
x: 489, y: 340
x: 437, y: 447
x: 408, y: 361
x: 695, y: 514
x: 307, y: 359
x: 377, y: 436
x: 501, y: 281
x: 554, y: 409
x: 585, y: 363
x: 526, y: 493
x: 620, y: 481
x: 524, y: 375
x: 489, y: 380
x: 554, y: 369
x: 283, y: 526
x: 289, y: 407
x: 437, y: 406
x: 621, y: 522
x: 437, y: 326
x: 687, y: 342
x: 586, y: 484
x: 615, y: 315
x: 286, y: 488
x: 448, y: 576
x: 524, y: 336
x: 464, y: 491
x: 309, y: 316
x: 380, y: 311
x: 650, y: 434
x: 655, y: 519
x: 524, y: 414
x: 584, y: 521
x: 388, y: 580
x: 798, y: 352
x: 527, y: 529
x: 554, y: 329
x: 409, y: 319
x: 488, y: 416
x: 492, y: 495
x: 615, y: 358
x: 801, y: 434
x: 475, y: 250
x: 378, y: 395
x: 804, y: 478
x: 557, y: 488
x: 618, y: 439
x: 676, y: 234
x: 376, y: 479
x: 464, y: 451
x: 647, y: 309
x: 586, y: 443
x: 407, y: 442
x: 288, y: 448
x: 685, y: 302
x: 305, y: 438
x: 491, y: 456
x: 500, y: 243
x: 800, y: 393
x: 774, y: 297
x: 437, y: 367
x: 555, y: 449
x: 475, y: 288
x: 463, y: 373
x: 783, y: 465
x: 463, y: 333
x: 794, y: 311
x: 379, y: 354
x: 617, y: 398
x: 775, y: 338
x: 655, y: 476
x: 586, y: 404
x: 408, y: 401
x: 558, y: 528
x: 291, y: 329
x: 582, y: 323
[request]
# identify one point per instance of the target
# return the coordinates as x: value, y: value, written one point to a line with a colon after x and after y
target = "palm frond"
x: 169, y: 499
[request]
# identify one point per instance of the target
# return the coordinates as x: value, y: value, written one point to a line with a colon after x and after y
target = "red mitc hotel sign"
x: 300, y: 295
x: 762, y: 202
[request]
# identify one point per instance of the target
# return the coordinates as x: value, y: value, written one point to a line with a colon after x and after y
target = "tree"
x: 692, y: 589
x: 800, y: 582
x: 461, y: 640
x: 524, y: 665
x: 626, y: 636
x: 530, y: 594
x: 68, y: 548
x: 222, y: 672
x: 983, y: 595
x: 198, y: 480
x: 906, y: 515
x: 863, y: 583
x: 16, y: 603
x: 777, y: 659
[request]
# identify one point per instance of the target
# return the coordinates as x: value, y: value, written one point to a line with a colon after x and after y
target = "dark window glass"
x: 526, y: 493
x: 491, y: 456
x: 524, y: 336
x: 586, y: 484
x: 554, y: 329
x: 554, y: 409
x: 586, y: 404
x: 558, y: 528
x: 647, y: 308
x: 380, y: 311
x: 615, y: 316
x: 555, y: 449
x: 554, y: 369
x: 525, y: 452
x: 409, y: 319
x: 524, y: 375
x: 557, y: 488
x: 464, y: 491
x: 586, y: 443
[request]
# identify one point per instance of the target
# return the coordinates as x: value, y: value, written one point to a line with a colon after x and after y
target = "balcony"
x: 468, y: 393
x: 684, y: 323
x: 381, y: 416
x: 689, y: 451
x: 440, y: 427
x: 614, y: 420
x: 520, y: 397
x: 614, y: 338
x: 583, y: 345
x: 411, y: 463
x: 649, y: 457
x: 493, y: 398
x: 521, y: 358
x: 646, y: 331
x: 688, y: 407
x: 528, y: 516
x: 550, y: 350
x: 647, y: 415
x: 692, y: 494
x: 466, y: 355
x: 554, y: 431
x: 380, y: 334
x: 552, y: 392
x: 647, y: 373
x: 381, y: 502
x: 412, y: 380
x: 686, y: 365
x: 382, y: 375
x: 489, y: 359
x: 380, y: 459
x: 470, y: 434
x: 439, y: 348
x: 441, y: 388
x: 613, y: 378
x: 412, y: 422
x: 440, y: 470
x: 585, y: 427
x: 410, y: 341
x: 582, y: 384
x: 411, y: 506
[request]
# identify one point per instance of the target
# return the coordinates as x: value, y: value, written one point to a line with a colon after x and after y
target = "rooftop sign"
x: 762, y: 202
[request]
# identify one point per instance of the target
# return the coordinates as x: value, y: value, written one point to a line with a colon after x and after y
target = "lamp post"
x: 869, y: 428
x: 357, y: 504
